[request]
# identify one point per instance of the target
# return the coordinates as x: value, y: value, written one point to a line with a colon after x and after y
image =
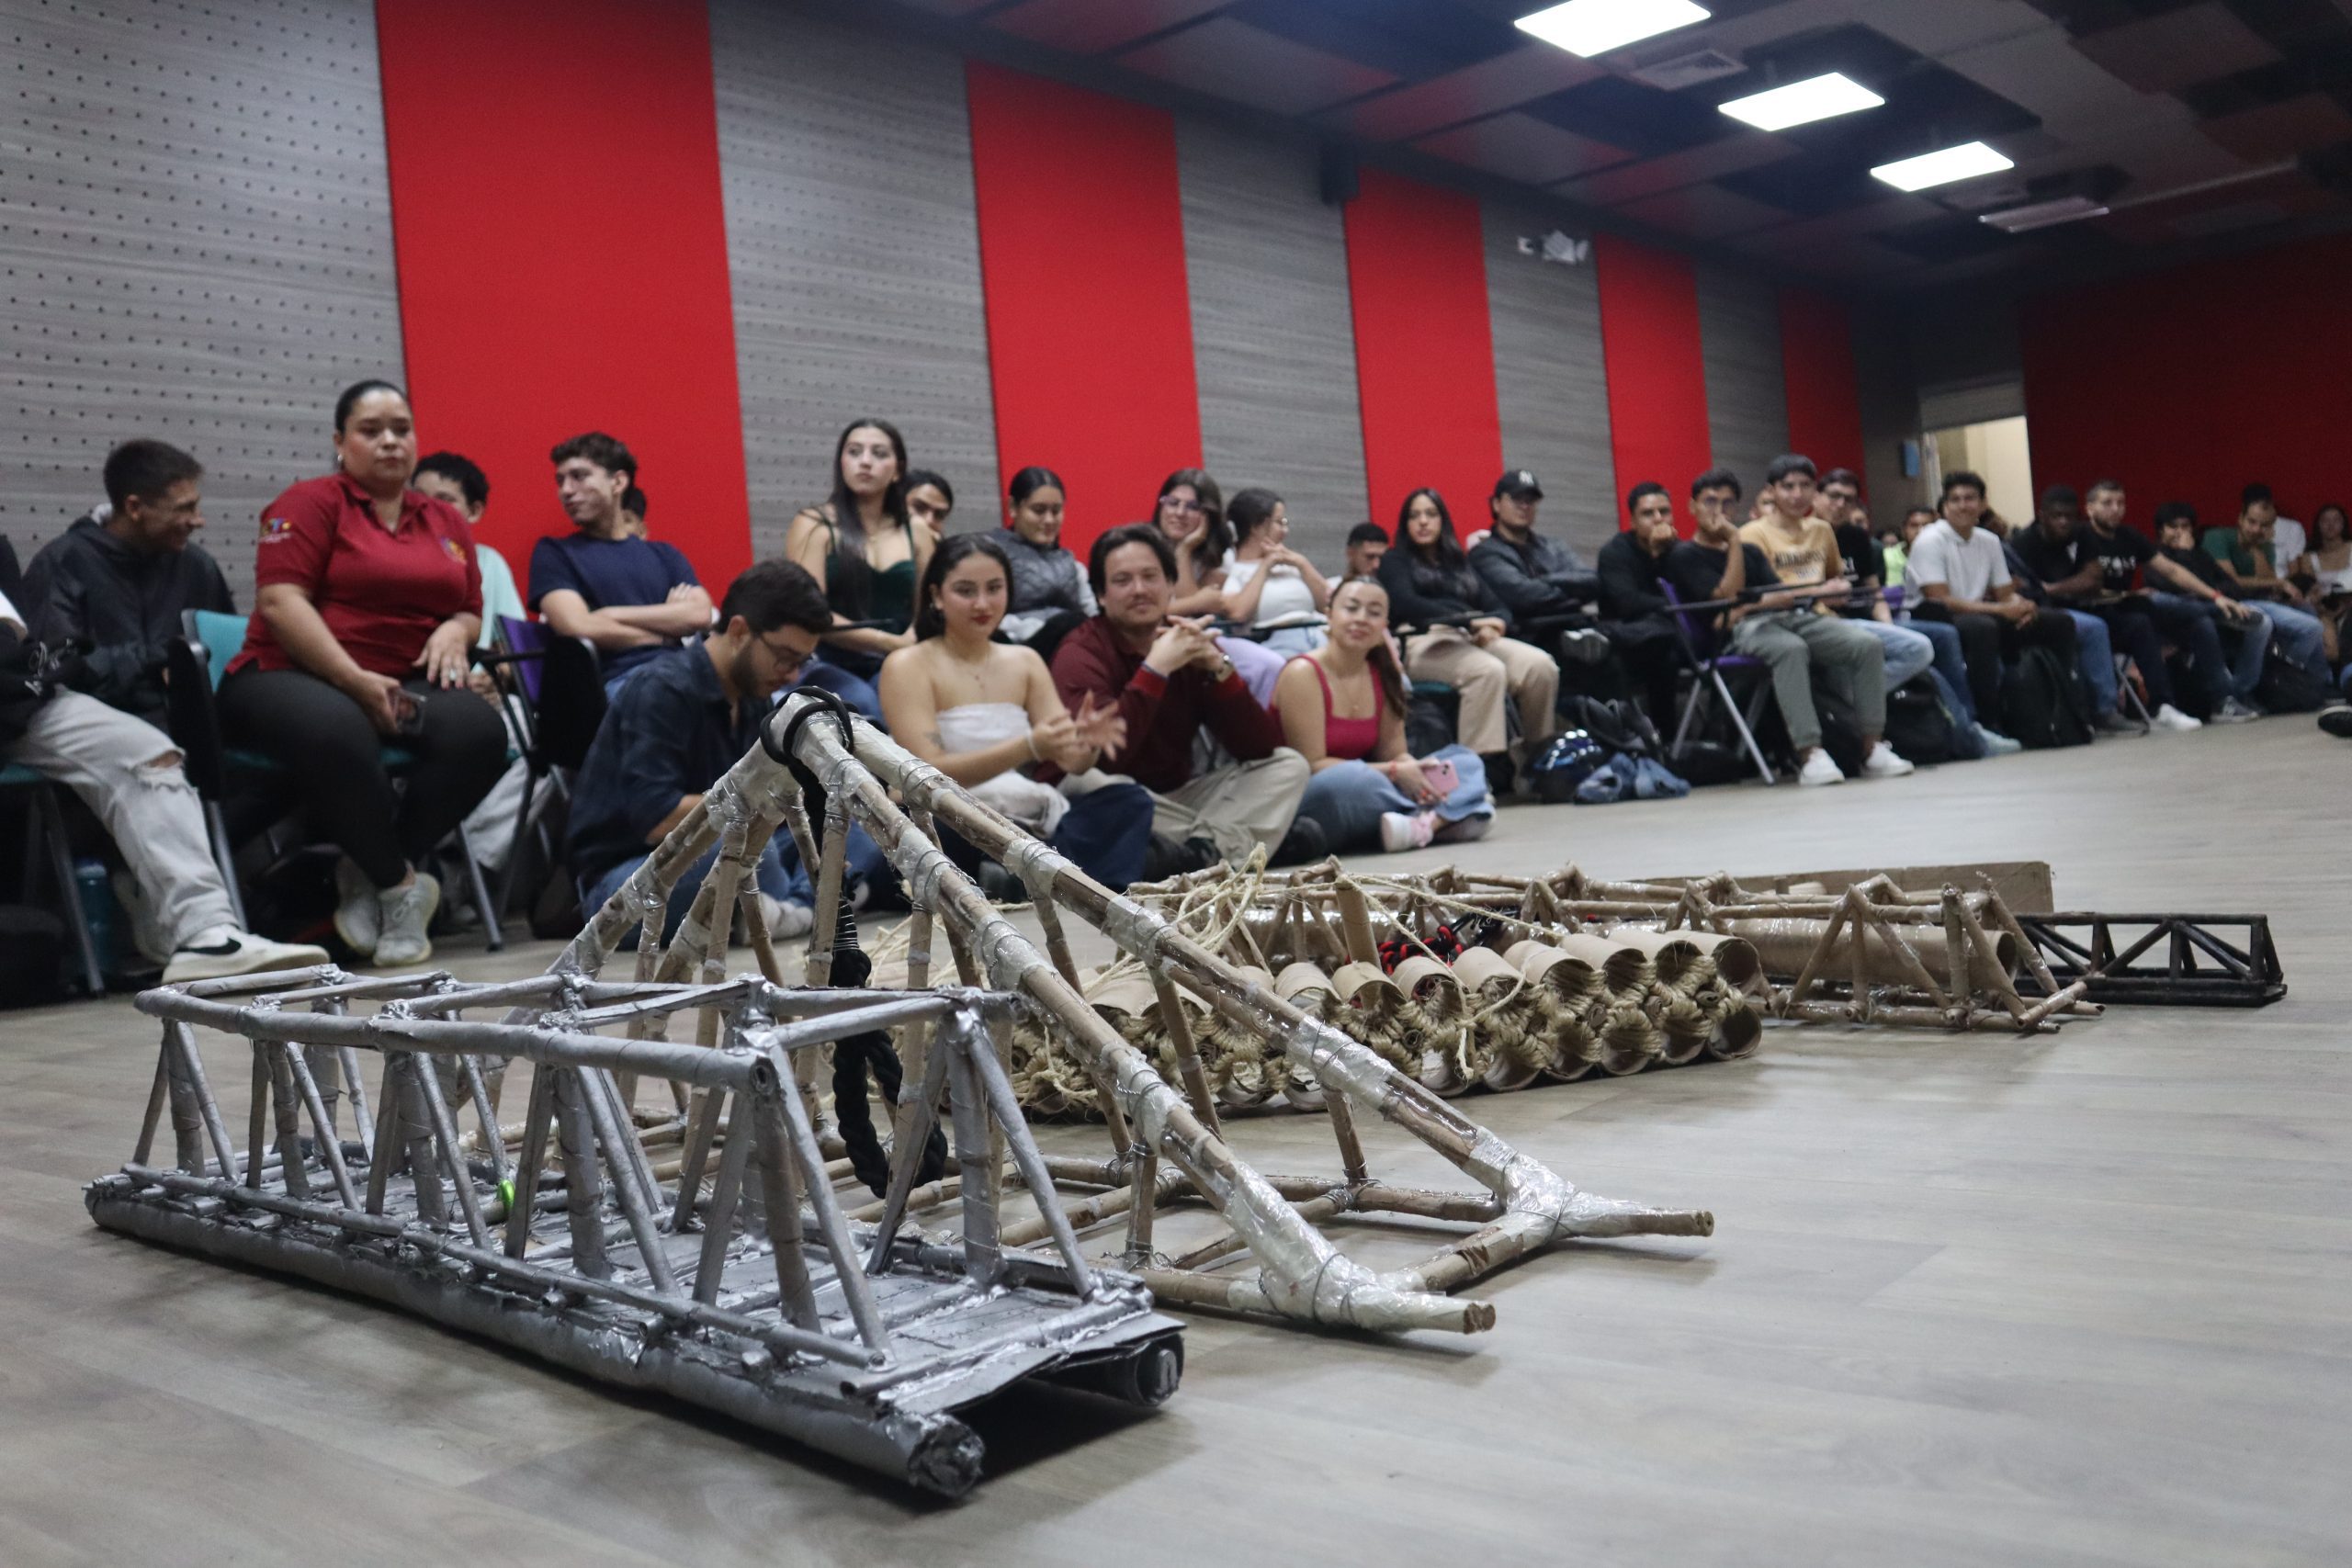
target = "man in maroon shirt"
x: 1169, y: 681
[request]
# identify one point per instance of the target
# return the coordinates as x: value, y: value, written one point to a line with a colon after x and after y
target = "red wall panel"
x: 2187, y: 384
x: 1657, y: 373
x: 1817, y: 366
x: 562, y: 239
x: 1090, y: 321
x: 1425, y: 353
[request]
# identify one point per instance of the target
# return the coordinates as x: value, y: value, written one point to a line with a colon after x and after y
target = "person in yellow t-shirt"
x: 1805, y: 553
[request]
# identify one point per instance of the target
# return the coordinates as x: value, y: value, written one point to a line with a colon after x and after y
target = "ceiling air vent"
x: 1673, y: 70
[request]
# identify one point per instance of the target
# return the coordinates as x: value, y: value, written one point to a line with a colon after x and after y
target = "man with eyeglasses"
x: 679, y: 723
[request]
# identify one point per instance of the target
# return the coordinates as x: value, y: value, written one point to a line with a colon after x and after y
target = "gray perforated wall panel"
x: 1549, y: 382
x: 853, y: 250
x: 1273, y: 344
x: 1748, y: 398
x: 195, y: 244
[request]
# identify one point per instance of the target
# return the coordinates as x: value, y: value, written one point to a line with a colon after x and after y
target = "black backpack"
x: 1918, y: 725
x: 1618, y: 723
x: 2042, y: 702
x: 2288, y: 688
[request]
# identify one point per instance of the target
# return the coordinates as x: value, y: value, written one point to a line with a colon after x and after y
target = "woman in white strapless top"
x: 985, y: 714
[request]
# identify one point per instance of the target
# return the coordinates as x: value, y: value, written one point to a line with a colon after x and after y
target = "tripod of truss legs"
x: 818, y: 773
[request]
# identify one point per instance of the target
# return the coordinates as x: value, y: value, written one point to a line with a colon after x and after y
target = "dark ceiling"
x: 2191, y: 120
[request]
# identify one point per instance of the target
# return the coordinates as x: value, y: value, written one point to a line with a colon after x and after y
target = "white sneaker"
x: 785, y: 920
x: 358, y: 918
x: 1998, y: 744
x: 1819, y: 769
x: 1405, y: 830
x: 1883, y: 763
x: 404, y: 913
x: 2171, y: 717
x: 224, y: 950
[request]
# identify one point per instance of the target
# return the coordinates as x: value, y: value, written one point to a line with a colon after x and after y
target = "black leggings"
x: 327, y: 747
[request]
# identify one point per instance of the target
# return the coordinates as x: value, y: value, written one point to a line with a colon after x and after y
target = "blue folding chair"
x: 1709, y: 662
x: 212, y: 640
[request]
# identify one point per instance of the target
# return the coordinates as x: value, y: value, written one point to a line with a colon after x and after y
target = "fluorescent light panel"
x: 1802, y: 103
x: 1595, y: 26
x: 2044, y: 214
x: 1965, y: 162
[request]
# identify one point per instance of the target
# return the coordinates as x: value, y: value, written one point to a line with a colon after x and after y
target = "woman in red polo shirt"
x: 367, y: 603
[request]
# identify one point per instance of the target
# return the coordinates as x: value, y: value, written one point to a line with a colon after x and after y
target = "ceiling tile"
x: 949, y: 8
x: 1231, y: 60
x: 1090, y: 27
x: 2282, y: 129
x: 1520, y: 147
x: 1488, y: 88
x: 1629, y: 181
x: 1701, y: 211
x: 2178, y: 47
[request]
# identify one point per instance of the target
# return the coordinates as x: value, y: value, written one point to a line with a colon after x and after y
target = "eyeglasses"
x: 786, y: 660
x: 1170, y: 503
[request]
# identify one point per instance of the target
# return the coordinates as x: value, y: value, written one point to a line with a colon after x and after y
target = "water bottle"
x: 97, y: 909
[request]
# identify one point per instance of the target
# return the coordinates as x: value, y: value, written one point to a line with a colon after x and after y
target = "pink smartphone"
x: 1440, y: 776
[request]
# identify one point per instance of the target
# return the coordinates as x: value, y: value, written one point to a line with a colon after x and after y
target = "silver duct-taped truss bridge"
x: 740, y: 1285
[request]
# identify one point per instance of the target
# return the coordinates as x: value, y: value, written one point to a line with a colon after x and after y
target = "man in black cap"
x: 1549, y: 587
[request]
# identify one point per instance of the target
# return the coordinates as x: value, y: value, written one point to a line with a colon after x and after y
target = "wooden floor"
x: 2079, y: 1299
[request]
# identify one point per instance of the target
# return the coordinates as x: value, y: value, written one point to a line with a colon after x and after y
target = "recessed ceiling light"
x: 1595, y: 26
x: 2044, y: 214
x: 1965, y: 162
x: 1801, y: 103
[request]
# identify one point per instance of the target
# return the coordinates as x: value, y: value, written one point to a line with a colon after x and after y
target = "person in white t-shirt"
x: 1269, y: 586
x: 1958, y: 572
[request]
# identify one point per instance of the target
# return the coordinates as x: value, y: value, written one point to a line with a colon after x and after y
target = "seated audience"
x: 1191, y: 513
x: 1367, y: 542
x: 1343, y: 708
x: 2054, y: 560
x: 1874, y: 563
x: 1958, y: 573
x: 2182, y: 603
x: 2323, y: 572
x: 679, y: 726
x: 1459, y: 636
x: 459, y: 481
x: 107, y: 596
x: 1894, y: 545
x: 2243, y: 555
x: 1168, y: 681
x: 1546, y: 585
x: 366, y: 607
x: 1270, y: 587
x: 1633, y: 613
x: 2176, y: 536
x: 862, y: 548
x: 1805, y: 552
x: 1050, y: 597
x: 1794, y: 642
x: 930, y: 500
x: 630, y: 597
x: 985, y: 714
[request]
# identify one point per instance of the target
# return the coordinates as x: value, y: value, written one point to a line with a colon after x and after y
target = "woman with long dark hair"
x: 1343, y: 708
x: 366, y: 605
x: 2324, y: 571
x: 1191, y: 511
x: 1049, y: 594
x: 864, y: 551
x: 1462, y: 635
x: 987, y: 715
x: 1271, y: 587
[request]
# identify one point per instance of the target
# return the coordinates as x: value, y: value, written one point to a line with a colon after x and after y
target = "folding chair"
x: 559, y: 691
x: 1708, y: 662
x: 2134, y: 706
x: 46, y: 844
x: 212, y: 640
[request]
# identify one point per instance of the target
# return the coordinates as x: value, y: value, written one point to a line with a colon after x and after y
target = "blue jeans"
x: 2095, y: 655
x: 2297, y: 632
x: 1105, y: 833
x: 1951, y: 669
x: 2198, y: 624
x: 779, y: 874
x: 1907, y: 650
x: 855, y: 690
x: 1347, y: 800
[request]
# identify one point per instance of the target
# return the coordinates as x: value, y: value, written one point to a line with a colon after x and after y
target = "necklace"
x: 977, y: 668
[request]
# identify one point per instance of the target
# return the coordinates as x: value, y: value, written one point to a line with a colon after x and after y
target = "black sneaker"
x: 2337, y: 720
x: 1303, y: 845
x: 1165, y: 857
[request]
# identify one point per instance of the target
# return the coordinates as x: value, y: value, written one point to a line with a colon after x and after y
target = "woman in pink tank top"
x: 1343, y: 708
